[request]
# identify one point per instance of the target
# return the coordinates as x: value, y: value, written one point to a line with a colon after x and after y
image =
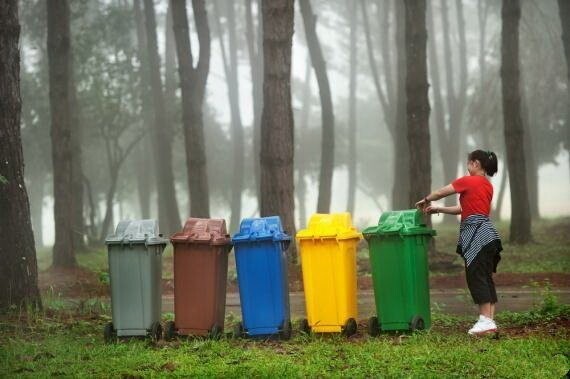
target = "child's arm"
x: 436, y: 195
x: 455, y: 210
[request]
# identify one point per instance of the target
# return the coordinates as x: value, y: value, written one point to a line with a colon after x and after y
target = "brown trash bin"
x: 200, y: 273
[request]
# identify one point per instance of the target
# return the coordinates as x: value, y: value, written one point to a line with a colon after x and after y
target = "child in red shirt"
x: 479, y: 243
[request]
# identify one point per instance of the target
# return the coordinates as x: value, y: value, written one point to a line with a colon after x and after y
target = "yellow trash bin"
x: 328, y: 260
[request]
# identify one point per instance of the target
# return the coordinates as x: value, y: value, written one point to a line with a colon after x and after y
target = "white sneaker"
x: 484, y: 325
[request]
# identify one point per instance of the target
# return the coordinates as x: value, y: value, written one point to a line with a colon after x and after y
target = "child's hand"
x: 431, y: 209
x: 422, y: 204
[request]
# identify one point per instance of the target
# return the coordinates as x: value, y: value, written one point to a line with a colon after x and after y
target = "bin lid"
x: 335, y: 225
x: 210, y: 231
x: 406, y: 222
x: 259, y: 229
x: 136, y: 231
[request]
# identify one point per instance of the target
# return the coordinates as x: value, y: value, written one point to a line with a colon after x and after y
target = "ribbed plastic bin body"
x: 328, y: 258
x: 135, y: 271
x: 200, y: 275
x: 261, y: 262
x: 398, y: 249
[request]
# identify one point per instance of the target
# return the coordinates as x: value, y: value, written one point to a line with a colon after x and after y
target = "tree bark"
x: 168, y: 214
x: 277, y: 145
x: 301, y: 187
x: 417, y: 105
x: 169, y: 72
x: 59, y: 57
x: 564, y: 12
x: 401, y: 188
x: 144, y: 165
x: 501, y: 195
x: 327, y: 112
x: 231, y: 71
x: 193, y: 86
x: 529, y: 152
x: 77, y: 168
x: 36, y: 195
x: 450, y: 137
x: 482, y: 15
x: 255, y: 50
x: 520, y: 230
x: 352, y: 152
x: 394, y: 115
x: 18, y: 271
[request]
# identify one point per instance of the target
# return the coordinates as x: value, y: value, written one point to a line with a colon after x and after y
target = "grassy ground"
x: 67, y: 344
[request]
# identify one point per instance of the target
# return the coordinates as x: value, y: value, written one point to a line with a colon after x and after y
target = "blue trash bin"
x: 261, y: 262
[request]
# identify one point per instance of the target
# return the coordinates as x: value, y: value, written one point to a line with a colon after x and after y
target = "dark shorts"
x: 479, y: 275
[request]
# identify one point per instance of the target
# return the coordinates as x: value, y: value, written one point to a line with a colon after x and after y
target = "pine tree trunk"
x: 168, y: 214
x: 59, y: 57
x: 564, y: 11
x: 301, y: 188
x: 77, y: 174
x: 401, y: 188
x: 352, y: 152
x: 520, y: 231
x: 417, y: 105
x: 451, y: 142
x: 170, y: 83
x: 36, y: 192
x: 144, y: 164
x: 531, y: 164
x: 501, y: 195
x: 255, y: 51
x: 327, y: 144
x: 277, y: 145
x: 18, y: 271
x: 237, y: 127
x: 193, y: 86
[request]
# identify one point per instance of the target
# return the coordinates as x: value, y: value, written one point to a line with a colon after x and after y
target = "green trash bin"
x: 135, y: 272
x: 398, y: 248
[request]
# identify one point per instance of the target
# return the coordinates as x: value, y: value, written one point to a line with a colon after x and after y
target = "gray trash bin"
x: 135, y: 272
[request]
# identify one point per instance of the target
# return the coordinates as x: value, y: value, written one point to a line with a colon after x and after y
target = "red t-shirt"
x: 475, y: 195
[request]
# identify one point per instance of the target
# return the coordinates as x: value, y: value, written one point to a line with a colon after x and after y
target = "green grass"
x: 74, y: 348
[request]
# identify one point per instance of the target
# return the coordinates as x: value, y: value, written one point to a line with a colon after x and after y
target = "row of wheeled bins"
x: 327, y: 247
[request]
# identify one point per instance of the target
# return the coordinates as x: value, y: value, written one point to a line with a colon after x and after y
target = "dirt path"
x: 451, y: 301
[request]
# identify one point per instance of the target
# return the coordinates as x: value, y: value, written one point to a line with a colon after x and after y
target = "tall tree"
x: 144, y: 167
x: 449, y: 135
x: 417, y: 104
x: 255, y: 51
x: 19, y: 271
x: 564, y: 12
x: 277, y: 146
x: 301, y: 187
x: 352, y: 152
x: 168, y: 214
x: 520, y: 230
x: 193, y: 85
x: 77, y: 168
x: 393, y: 99
x: 59, y: 57
x: 231, y: 72
x: 327, y: 113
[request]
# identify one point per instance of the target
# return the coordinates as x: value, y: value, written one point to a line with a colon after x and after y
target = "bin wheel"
x: 417, y: 323
x: 109, y: 333
x: 169, y: 331
x: 286, y: 330
x: 238, y: 330
x: 305, y: 327
x: 215, y: 332
x: 349, y: 327
x: 373, y: 326
x: 156, y: 331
